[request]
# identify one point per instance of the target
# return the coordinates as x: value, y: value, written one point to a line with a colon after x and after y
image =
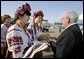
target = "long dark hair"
x: 17, y: 17
x: 35, y: 24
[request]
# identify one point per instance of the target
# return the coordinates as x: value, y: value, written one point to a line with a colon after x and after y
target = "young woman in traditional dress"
x: 36, y: 31
x: 6, y: 19
x: 17, y: 36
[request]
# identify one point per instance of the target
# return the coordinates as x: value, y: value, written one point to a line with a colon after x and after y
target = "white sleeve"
x: 3, y: 34
x: 15, y: 43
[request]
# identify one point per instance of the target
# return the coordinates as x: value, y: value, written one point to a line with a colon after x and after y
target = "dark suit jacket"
x: 68, y: 43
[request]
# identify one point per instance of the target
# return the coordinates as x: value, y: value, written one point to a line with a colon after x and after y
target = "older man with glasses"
x: 69, y: 41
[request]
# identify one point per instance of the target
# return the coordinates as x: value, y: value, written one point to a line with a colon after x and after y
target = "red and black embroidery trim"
x: 17, y: 50
x: 14, y: 29
x: 15, y: 41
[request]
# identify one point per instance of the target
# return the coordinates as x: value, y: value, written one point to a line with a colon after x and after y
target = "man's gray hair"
x: 72, y: 15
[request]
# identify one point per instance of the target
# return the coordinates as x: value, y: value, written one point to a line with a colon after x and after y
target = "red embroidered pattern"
x: 15, y: 41
x: 17, y: 50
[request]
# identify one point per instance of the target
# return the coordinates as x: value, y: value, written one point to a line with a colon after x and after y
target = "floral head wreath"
x: 21, y: 10
x: 38, y: 13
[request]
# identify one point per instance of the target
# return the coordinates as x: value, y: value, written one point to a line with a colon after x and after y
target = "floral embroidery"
x: 15, y: 41
x: 17, y: 50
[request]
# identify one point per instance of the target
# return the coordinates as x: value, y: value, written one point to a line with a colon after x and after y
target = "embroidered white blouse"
x: 35, y: 37
x: 17, y: 40
x: 32, y: 32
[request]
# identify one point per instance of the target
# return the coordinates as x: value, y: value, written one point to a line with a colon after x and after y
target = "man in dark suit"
x: 69, y: 41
